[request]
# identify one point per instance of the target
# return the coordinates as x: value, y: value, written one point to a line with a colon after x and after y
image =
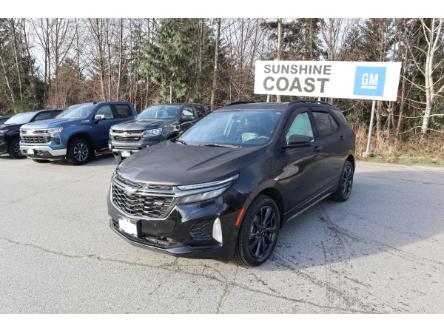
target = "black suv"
x: 228, y: 184
x: 154, y: 124
x: 10, y: 130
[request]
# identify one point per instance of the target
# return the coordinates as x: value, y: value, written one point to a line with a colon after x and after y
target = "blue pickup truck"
x: 76, y: 134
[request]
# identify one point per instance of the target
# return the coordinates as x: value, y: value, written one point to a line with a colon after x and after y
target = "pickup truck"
x: 153, y: 125
x: 76, y: 134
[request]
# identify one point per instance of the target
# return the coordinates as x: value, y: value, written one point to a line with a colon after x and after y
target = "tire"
x: 14, y: 149
x: 258, y: 234
x: 345, y: 184
x: 79, y: 151
x: 40, y: 161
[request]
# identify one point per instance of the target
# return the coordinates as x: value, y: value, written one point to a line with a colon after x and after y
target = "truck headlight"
x: 52, y: 131
x: 152, y: 132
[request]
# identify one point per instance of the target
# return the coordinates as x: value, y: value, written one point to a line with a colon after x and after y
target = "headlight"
x: 205, y: 191
x: 53, y: 131
x: 152, y: 132
x: 3, y: 132
x: 203, y: 196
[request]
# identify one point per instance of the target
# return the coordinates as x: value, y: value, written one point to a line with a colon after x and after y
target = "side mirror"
x: 98, y: 117
x: 295, y: 141
x: 185, y: 118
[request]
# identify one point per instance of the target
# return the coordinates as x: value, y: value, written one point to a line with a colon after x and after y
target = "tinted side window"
x: 43, y: 116
x: 188, y: 111
x: 325, y: 124
x: 300, y: 126
x: 106, y: 111
x: 122, y: 111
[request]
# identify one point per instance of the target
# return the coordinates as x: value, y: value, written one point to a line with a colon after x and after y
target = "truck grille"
x: 34, y: 139
x: 126, y: 136
x: 136, y: 203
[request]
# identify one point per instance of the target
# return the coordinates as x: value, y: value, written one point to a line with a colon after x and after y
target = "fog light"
x: 217, y: 230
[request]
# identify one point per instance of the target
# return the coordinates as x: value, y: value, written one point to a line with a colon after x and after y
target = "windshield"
x: 160, y: 112
x: 80, y: 111
x: 21, y: 118
x: 239, y: 128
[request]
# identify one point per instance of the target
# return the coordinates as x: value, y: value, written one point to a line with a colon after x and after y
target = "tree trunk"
x: 119, y: 74
x: 279, y: 49
x: 5, y: 74
x: 171, y: 92
x: 16, y: 58
x: 216, y: 54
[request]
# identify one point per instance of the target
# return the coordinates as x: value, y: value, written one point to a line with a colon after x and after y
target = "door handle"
x: 317, y: 148
x: 341, y: 138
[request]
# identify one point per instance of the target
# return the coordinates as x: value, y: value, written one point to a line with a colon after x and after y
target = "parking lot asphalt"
x: 381, y: 251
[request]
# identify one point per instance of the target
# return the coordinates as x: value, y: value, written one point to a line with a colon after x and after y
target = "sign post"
x: 376, y: 81
x: 370, y: 130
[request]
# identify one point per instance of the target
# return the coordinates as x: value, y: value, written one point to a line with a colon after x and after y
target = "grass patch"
x: 406, y: 159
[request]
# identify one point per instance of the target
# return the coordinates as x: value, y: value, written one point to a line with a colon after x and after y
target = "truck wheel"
x: 14, y: 149
x: 79, y: 151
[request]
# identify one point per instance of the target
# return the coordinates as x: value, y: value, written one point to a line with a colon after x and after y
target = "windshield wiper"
x: 220, y: 145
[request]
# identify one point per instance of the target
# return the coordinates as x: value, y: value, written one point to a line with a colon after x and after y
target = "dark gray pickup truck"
x: 153, y: 125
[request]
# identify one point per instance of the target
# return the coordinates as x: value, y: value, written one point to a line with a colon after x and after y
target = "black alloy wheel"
x: 259, y: 231
x: 345, y: 185
x: 14, y: 149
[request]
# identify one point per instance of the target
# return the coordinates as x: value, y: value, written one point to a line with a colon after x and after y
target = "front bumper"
x: 42, y: 152
x: 117, y: 147
x: 186, y: 231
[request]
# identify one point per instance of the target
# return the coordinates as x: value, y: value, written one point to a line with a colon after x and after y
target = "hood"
x: 10, y: 127
x: 177, y: 164
x: 51, y: 123
x: 142, y: 124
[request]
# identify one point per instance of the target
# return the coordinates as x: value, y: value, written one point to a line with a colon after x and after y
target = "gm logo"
x: 369, y: 81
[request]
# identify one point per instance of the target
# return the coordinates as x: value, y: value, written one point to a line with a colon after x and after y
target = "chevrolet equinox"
x: 227, y: 185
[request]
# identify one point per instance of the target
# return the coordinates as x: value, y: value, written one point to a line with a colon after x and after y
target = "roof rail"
x: 240, y: 102
x: 308, y: 101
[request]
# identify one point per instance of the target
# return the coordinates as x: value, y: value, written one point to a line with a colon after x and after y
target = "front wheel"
x: 79, y: 151
x: 14, y: 149
x: 345, y: 184
x: 259, y: 232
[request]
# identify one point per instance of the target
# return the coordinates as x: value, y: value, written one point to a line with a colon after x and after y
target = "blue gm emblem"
x: 369, y: 81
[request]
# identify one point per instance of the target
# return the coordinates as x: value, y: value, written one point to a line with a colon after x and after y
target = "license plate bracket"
x: 127, y: 226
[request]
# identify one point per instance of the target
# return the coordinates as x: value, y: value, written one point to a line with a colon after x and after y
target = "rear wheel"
x: 79, y: 151
x: 345, y: 183
x: 259, y: 232
x: 14, y: 148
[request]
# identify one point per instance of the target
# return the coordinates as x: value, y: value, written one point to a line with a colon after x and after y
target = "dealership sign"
x: 337, y: 79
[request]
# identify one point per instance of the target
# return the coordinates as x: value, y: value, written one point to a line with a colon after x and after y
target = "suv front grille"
x: 126, y: 136
x: 34, y: 139
x: 139, y: 204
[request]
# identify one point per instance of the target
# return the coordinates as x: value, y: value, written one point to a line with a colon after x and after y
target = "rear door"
x: 327, y: 146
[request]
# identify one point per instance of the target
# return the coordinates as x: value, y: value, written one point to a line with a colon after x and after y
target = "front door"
x: 301, y: 167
